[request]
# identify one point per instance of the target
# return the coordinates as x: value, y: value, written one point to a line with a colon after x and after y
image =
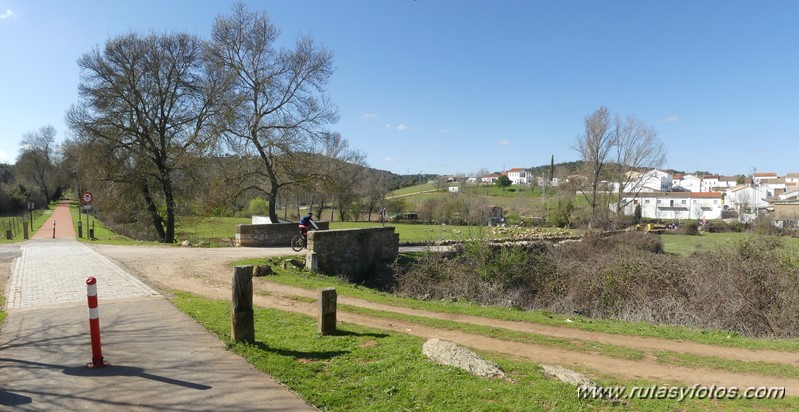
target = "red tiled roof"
x: 766, y: 174
x: 518, y: 169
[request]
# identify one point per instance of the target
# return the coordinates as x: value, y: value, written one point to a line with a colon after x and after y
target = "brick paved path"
x: 160, y: 359
x: 54, y: 271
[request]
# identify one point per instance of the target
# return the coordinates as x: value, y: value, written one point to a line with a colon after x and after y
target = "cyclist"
x: 305, y: 222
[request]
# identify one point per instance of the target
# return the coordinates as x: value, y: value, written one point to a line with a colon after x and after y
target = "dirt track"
x: 206, y: 272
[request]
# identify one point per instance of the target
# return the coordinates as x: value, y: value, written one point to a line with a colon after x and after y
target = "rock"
x: 262, y: 270
x: 569, y: 376
x: 293, y: 262
x: 185, y: 243
x: 450, y: 354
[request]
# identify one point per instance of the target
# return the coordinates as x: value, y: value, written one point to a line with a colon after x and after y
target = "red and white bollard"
x: 94, y: 324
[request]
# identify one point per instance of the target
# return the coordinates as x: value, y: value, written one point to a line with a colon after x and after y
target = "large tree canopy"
x: 145, y: 101
x: 276, y: 109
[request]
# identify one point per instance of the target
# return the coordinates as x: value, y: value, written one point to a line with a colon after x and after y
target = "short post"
x: 25, y: 230
x: 242, y: 320
x: 94, y: 324
x: 53, y: 229
x: 9, y: 234
x: 327, y: 311
x: 80, y: 229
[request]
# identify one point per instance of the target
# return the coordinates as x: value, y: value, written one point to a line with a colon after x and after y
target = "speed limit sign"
x: 86, y: 197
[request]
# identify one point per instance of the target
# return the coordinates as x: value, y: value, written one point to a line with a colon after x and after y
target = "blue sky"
x: 446, y: 87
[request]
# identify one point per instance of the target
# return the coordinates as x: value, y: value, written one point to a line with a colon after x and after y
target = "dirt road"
x: 206, y: 272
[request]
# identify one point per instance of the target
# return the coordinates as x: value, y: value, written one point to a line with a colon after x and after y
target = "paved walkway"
x: 160, y: 358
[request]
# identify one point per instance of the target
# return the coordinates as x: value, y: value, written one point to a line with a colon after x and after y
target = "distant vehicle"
x: 496, y: 221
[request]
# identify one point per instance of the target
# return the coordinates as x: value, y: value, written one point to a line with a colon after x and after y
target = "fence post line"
x: 94, y: 324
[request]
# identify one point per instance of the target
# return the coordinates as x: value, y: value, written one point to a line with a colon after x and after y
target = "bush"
x: 750, y: 288
x: 258, y: 206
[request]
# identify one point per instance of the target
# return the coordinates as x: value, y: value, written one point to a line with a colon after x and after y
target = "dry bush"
x: 751, y: 288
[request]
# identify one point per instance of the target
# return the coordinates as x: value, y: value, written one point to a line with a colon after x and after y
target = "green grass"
x: 15, y: 224
x: 712, y: 362
x: 685, y: 244
x: 365, y: 369
x: 505, y: 334
x: 412, y: 189
x: 3, y: 313
x: 102, y: 234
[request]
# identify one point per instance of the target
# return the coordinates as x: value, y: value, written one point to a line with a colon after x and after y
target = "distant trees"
x: 36, y: 162
x: 145, y: 102
x: 503, y: 181
x: 275, y: 108
x: 594, y: 146
x: 635, y: 146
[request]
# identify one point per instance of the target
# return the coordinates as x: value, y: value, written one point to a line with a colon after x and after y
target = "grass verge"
x: 363, y: 369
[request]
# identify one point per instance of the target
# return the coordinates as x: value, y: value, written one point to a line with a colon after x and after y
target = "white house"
x: 792, y: 178
x: 676, y: 205
x: 708, y: 183
x: 518, y: 176
x: 490, y: 178
x: 690, y: 183
x: 650, y: 181
x: 748, y: 200
x: 764, y: 177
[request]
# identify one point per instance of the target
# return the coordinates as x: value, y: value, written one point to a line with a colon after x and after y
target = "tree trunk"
x: 156, y: 218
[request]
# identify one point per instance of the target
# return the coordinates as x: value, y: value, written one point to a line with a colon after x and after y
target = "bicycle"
x: 299, y: 242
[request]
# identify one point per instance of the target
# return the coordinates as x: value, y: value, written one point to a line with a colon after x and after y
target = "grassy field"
x: 412, y: 189
x: 363, y: 369
x: 685, y: 244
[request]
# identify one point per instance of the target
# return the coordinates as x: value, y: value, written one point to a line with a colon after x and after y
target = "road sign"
x: 87, y: 197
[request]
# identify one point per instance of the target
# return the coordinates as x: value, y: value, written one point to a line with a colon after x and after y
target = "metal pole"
x: 53, y: 229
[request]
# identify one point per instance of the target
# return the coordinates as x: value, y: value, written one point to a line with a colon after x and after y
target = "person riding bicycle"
x: 305, y: 222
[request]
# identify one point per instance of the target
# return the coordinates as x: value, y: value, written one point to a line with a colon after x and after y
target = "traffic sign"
x: 87, y: 197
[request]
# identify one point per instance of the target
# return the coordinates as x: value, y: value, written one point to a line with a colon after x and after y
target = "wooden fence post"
x: 242, y: 321
x: 327, y: 311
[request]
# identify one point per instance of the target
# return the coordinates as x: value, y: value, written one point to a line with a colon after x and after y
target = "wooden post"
x: 242, y: 321
x: 9, y: 234
x: 25, y: 230
x: 327, y: 311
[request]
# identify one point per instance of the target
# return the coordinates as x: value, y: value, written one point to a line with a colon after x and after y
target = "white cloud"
x: 671, y: 119
x: 504, y: 142
x: 388, y: 125
x: 368, y: 115
x: 402, y: 127
x: 3, y: 155
x: 7, y: 14
x: 389, y: 159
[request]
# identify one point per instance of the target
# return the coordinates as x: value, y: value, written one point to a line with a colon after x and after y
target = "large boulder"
x: 450, y: 354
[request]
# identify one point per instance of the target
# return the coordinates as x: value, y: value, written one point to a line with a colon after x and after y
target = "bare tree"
x: 594, y: 147
x: 637, y: 146
x: 147, y: 98
x: 37, y: 158
x: 276, y: 109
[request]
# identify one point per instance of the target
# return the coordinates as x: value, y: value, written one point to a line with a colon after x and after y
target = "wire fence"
x: 14, y: 225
